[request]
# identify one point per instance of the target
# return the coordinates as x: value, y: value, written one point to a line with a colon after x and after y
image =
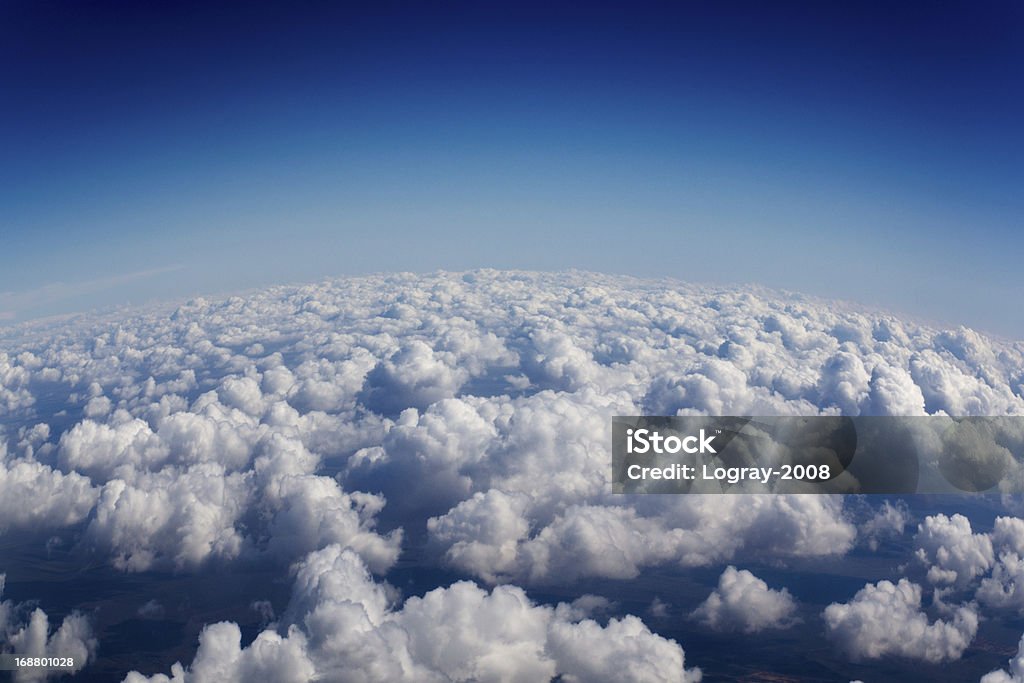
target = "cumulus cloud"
x: 185, y: 517
x: 342, y: 625
x: 470, y: 413
x: 488, y: 534
x: 414, y: 377
x: 888, y: 520
x: 432, y: 391
x: 34, y: 495
x: 15, y: 376
x: 743, y: 602
x: 170, y: 518
x: 952, y: 552
x: 959, y: 560
x: 26, y: 632
x: 1004, y: 588
x: 886, y: 619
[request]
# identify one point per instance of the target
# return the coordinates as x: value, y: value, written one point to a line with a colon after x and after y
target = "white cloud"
x: 888, y: 520
x: 15, y: 375
x: 886, y: 619
x: 344, y: 626
x: 33, y: 637
x: 743, y: 602
x: 487, y: 534
x: 36, y: 496
x: 221, y: 657
x: 414, y: 377
x: 1008, y: 534
x: 624, y: 650
x: 183, y: 517
x: 953, y: 554
x: 1004, y: 588
x: 470, y: 408
x: 892, y: 391
x: 214, y: 381
x: 844, y: 381
x: 170, y: 518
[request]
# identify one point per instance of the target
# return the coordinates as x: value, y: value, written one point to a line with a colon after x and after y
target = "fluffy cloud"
x: 33, y: 637
x: 414, y: 377
x: 960, y: 560
x: 433, y: 390
x: 743, y: 602
x: 15, y: 374
x: 170, y: 518
x: 953, y: 554
x: 1004, y: 588
x: 344, y: 625
x: 470, y: 413
x: 185, y: 517
x: 487, y: 535
x: 34, y: 495
x: 886, y: 619
x: 886, y: 521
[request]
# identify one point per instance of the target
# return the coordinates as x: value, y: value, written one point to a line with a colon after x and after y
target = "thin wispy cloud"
x: 15, y: 305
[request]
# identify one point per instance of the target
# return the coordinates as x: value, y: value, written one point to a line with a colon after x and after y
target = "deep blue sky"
x: 870, y: 152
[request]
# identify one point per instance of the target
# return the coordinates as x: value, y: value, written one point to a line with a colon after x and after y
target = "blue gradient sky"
x: 156, y: 150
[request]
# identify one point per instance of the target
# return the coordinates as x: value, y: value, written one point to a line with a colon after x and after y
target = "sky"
x: 161, y: 150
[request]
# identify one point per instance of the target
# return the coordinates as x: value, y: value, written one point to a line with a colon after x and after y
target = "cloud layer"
x: 470, y: 413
